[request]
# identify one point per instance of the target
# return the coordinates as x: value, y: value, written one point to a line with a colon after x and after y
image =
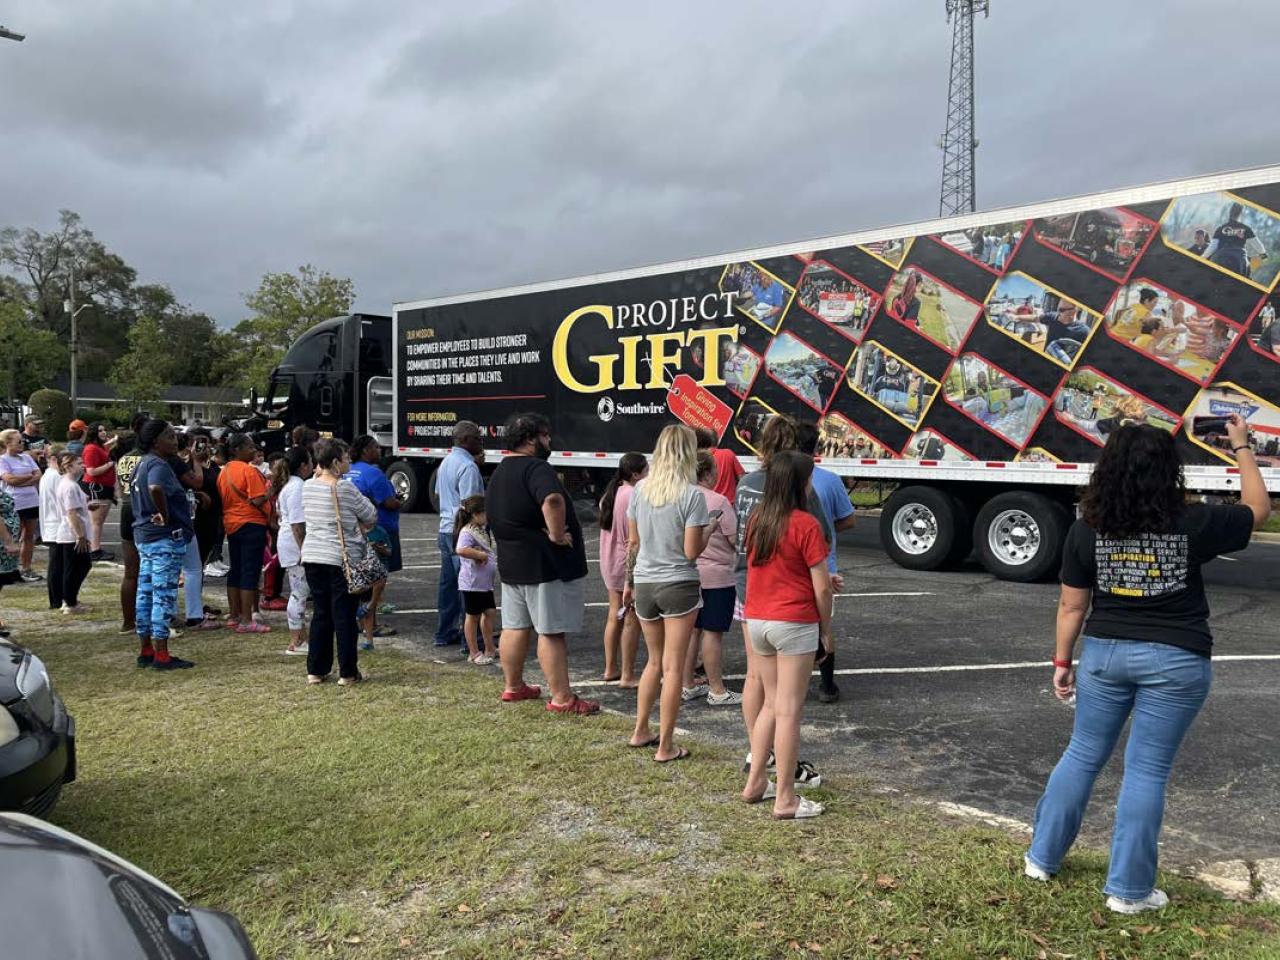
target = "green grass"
x: 415, y: 816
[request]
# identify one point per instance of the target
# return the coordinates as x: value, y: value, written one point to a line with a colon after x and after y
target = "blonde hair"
x: 7, y: 436
x: 674, y: 465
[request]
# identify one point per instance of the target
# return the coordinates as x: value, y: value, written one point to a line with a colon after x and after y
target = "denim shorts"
x: 246, y: 547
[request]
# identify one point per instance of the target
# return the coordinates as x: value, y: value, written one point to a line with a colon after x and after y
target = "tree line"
x: 139, y: 337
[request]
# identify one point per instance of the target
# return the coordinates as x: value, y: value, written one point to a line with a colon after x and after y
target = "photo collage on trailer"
x: 1029, y: 340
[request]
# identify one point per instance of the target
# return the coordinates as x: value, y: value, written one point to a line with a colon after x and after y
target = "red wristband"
x: 1065, y: 664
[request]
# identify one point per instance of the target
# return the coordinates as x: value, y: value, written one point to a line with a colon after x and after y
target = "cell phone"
x: 716, y: 514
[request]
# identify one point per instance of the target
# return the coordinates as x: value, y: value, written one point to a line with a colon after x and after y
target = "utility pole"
x: 959, y: 142
x: 69, y: 306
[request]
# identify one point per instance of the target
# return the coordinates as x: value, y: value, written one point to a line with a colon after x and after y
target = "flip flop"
x: 681, y: 754
x: 611, y: 679
x: 651, y: 742
x: 770, y: 791
x: 805, y: 810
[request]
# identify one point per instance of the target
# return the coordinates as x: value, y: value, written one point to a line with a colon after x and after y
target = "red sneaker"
x: 576, y: 706
x: 526, y: 692
x: 275, y: 603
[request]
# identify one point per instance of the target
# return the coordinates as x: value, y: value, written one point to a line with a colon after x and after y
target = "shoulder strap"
x: 337, y: 519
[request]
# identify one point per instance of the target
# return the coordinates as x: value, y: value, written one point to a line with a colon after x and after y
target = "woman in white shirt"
x: 50, y: 519
x: 73, y: 531
x: 287, y: 477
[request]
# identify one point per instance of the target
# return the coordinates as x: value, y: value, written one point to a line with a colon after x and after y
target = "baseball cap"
x: 77, y: 425
x: 34, y: 418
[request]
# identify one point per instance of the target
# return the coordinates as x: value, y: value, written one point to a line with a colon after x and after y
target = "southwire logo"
x: 607, y: 409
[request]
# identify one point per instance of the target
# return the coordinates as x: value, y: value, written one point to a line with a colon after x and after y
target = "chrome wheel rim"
x: 915, y: 529
x: 1014, y: 537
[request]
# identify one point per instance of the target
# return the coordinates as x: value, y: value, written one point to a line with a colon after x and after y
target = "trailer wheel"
x: 923, y: 528
x: 409, y: 480
x: 1019, y: 536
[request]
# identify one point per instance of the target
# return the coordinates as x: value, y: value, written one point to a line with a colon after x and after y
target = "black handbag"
x: 364, y: 573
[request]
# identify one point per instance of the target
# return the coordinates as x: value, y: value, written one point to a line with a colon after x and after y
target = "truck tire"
x: 924, y: 528
x: 410, y: 481
x: 1019, y: 536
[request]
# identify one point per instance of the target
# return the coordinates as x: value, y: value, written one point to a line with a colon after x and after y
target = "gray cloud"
x: 425, y: 150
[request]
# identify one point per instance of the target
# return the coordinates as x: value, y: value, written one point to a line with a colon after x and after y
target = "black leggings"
x: 74, y: 568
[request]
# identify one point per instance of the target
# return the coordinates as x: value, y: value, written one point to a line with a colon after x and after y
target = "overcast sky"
x: 424, y: 149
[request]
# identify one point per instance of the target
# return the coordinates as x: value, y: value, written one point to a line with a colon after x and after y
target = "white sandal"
x: 770, y: 791
x: 806, y: 810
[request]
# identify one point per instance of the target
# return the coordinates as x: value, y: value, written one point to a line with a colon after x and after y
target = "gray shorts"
x: 655, y: 601
x: 549, y: 608
x: 771, y: 637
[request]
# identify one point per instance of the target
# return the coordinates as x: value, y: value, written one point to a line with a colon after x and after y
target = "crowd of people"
x: 690, y: 544
x: 185, y: 498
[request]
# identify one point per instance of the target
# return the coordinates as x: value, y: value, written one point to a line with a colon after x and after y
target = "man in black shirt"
x: 33, y: 441
x: 541, y: 561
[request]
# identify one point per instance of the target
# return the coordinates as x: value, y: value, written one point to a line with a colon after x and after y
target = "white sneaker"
x: 1152, y: 901
x: 1029, y: 869
x: 693, y: 693
x: 216, y: 570
x: 727, y: 699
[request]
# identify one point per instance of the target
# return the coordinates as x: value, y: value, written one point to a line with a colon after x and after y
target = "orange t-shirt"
x: 237, y: 484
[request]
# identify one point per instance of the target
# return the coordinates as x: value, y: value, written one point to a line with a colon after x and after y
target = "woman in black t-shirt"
x: 1132, y: 564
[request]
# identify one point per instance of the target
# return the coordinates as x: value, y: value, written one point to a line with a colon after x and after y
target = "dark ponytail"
x: 467, y: 511
x: 629, y: 468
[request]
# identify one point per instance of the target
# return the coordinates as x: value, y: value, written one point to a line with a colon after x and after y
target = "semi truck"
x: 978, y: 362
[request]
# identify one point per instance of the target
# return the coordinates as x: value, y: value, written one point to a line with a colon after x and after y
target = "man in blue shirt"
x: 769, y: 292
x: 833, y: 496
x: 457, y: 478
x: 373, y: 483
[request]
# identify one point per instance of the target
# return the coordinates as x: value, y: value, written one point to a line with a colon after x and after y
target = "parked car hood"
x: 10, y: 660
x: 63, y: 898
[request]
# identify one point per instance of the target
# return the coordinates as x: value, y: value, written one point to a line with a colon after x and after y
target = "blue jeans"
x: 1164, y: 688
x: 448, y: 600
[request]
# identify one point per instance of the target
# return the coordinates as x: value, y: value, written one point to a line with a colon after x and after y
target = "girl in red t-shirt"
x: 100, y: 481
x: 788, y: 612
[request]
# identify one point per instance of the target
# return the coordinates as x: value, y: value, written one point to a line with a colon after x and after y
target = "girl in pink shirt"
x: 715, y: 570
x: 621, y: 628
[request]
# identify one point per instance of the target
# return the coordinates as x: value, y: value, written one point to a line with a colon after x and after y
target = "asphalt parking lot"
x: 946, y: 694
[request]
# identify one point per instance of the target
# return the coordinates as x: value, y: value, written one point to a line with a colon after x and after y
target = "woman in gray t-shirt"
x: 669, y: 528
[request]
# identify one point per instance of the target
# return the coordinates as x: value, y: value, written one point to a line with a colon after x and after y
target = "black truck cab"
x: 335, y: 378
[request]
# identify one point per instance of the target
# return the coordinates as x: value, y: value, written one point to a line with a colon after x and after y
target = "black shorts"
x: 395, y: 562
x: 29, y: 513
x: 97, y: 493
x: 476, y: 602
x: 126, y: 522
x: 716, y: 614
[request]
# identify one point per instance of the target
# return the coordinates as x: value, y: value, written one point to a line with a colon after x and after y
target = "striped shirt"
x: 322, y: 544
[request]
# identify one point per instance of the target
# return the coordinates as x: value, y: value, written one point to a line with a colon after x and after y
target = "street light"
x: 69, y: 307
x: 9, y: 35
